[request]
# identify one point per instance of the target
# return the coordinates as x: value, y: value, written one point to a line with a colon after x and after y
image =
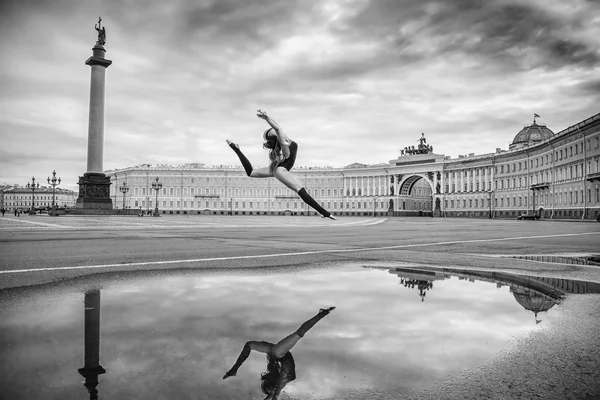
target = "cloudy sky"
x: 350, y: 80
x: 175, y: 336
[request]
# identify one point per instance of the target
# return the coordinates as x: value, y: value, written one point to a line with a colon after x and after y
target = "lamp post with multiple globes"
x: 32, y: 185
x: 124, y: 189
x: 54, y: 182
x: 156, y: 185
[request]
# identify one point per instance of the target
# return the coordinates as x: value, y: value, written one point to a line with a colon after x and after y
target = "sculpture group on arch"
x: 422, y: 148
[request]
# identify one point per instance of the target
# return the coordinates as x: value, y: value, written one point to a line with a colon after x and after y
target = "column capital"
x: 98, y: 61
x: 97, y: 57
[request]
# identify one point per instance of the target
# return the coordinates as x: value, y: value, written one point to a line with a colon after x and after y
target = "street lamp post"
x: 124, y: 189
x: 490, y: 203
x: 156, y: 185
x: 231, y: 205
x: 32, y: 185
x: 54, y: 182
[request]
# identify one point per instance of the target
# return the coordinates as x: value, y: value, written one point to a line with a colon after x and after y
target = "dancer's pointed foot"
x: 230, y: 143
x: 329, y: 216
x: 327, y: 310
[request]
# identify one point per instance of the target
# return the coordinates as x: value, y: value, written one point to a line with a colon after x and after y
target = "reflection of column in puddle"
x: 92, y: 367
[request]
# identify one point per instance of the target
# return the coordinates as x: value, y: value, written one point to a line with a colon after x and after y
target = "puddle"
x: 393, y: 331
x: 558, y: 259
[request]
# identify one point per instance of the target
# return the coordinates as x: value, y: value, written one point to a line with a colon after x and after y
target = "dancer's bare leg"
x: 286, y: 344
x: 261, y: 173
x: 289, y: 180
x: 284, y: 176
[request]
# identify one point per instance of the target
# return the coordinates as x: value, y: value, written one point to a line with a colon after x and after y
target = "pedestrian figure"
x: 282, y: 156
x: 3, y: 211
x: 281, y: 368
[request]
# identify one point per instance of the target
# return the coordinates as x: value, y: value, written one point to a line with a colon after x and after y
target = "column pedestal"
x: 94, y: 193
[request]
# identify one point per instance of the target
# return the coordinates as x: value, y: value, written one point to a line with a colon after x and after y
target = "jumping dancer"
x: 280, y: 364
x: 282, y: 156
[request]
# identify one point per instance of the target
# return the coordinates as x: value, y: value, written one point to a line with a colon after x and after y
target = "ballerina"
x: 281, y: 368
x: 282, y: 156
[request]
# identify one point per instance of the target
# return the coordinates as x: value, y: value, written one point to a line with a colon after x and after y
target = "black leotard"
x: 288, y: 367
x: 288, y: 163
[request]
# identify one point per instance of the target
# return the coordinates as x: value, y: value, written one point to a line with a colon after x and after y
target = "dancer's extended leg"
x: 305, y: 327
x: 245, y: 162
x: 290, y: 341
x: 284, y: 176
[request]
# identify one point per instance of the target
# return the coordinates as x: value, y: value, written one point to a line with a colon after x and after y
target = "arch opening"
x: 415, y: 196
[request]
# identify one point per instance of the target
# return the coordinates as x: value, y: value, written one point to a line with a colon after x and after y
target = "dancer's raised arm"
x: 261, y: 347
x: 263, y: 115
x: 284, y: 140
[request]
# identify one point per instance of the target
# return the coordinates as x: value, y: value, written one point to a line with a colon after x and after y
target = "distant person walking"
x: 3, y: 211
x: 282, y: 156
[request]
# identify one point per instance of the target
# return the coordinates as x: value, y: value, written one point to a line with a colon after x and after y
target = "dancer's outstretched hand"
x: 262, y: 114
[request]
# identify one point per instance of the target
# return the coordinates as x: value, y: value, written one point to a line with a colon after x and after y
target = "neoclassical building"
x: 22, y: 198
x: 554, y: 174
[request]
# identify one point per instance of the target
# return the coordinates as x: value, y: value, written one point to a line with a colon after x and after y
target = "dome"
x: 530, y: 135
x: 532, y: 300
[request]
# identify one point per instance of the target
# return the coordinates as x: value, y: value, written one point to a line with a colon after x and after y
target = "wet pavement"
x: 426, y: 308
x: 395, y: 331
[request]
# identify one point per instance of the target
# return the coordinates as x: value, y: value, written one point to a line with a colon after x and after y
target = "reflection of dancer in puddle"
x: 282, y: 153
x: 280, y: 363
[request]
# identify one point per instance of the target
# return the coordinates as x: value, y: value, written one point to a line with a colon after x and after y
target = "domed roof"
x: 531, y: 134
x: 532, y: 300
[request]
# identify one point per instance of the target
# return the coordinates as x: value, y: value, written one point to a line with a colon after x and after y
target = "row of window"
x: 562, y: 198
x: 10, y: 204
x: 258, y: 205
x: 255, y: 192
x: 559, y: 154
x: 221, y: 180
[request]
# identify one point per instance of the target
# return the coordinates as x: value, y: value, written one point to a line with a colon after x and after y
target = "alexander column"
x: 94, y: 186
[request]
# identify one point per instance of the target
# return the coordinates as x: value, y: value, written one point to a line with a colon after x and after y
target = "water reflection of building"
x: 532, y: 300
x: 92, y: 367
x: 421, y: 280
x: 535, y: 294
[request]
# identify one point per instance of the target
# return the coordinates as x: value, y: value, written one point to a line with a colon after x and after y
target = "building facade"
x: 22, y: 197
x: 555, y: 175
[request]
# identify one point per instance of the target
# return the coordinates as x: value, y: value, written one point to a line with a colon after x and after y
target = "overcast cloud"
x: 350, y: 80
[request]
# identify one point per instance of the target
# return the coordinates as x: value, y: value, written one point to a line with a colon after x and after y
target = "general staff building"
x: 555, y: 175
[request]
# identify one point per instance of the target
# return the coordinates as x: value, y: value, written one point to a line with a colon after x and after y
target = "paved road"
x: 552, y: 364
x: 64, y: 247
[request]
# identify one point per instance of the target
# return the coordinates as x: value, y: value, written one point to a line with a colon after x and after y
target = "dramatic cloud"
x: 351, y: 80
x: 179, y: 334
